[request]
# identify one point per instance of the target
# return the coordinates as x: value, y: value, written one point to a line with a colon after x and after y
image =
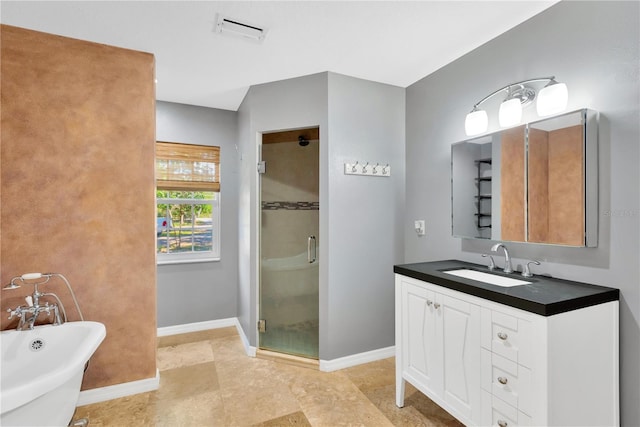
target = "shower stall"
x: 289, y: 245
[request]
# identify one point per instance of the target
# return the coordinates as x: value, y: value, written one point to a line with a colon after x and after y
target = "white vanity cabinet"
x: 442, y: 343
x: 491, y: 364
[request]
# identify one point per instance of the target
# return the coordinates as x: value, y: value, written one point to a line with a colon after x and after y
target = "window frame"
x: 176, y: 151
x: 193, y: 256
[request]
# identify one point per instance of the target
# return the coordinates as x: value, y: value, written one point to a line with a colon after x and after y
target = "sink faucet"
x: 507, y: 257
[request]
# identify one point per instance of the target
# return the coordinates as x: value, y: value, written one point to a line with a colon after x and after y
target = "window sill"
x: 186, y: 261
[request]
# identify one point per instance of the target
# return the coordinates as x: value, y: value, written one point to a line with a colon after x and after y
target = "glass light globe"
x: 476, y: 122
x: 552, y: 99
x: 510, y: 112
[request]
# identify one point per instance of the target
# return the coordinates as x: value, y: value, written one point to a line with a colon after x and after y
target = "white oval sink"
x: 487, y: 277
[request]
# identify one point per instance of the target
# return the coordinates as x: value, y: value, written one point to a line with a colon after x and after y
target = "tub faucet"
x: 507, y: 257
x: 34, y: 310
x: 47, y: 308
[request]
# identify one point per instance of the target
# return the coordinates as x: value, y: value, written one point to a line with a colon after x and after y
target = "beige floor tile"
x: 227, y: 348
x: 417, y: 411
x: 297, y: 419
x: 204, y: 409
x: 331, y: 399
x: 126, y: 411
x: 187, y: 381
x: 249, y: 372
x: 372, y: 375
x: 426, y: 406
x: 207, y: 379
x: 263, y: 401
x: 184, y: 355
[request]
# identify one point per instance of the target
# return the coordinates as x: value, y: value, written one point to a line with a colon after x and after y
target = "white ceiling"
x: 394, y: 42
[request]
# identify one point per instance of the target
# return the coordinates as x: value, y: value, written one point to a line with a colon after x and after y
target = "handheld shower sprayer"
x: 28, y: 276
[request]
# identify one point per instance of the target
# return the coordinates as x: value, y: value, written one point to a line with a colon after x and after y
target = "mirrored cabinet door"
x: 534, y: 183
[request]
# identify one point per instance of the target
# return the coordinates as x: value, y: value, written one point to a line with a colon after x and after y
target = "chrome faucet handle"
x: 15, y: 312
x: 526, y: 272
x: 20, y: 312
x: 492, y: 263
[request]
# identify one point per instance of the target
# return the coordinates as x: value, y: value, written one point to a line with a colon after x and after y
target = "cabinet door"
x: 419, y: 336
x: 460, y: 328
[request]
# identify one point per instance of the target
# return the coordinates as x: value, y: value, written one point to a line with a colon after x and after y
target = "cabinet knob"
x: 429, y: 302
x: 502, y: 423
x: 502, y: 380
x: 502, y: 336
x: 436, y: 305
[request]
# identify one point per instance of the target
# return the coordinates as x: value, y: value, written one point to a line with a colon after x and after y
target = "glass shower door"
x: 289, y: 247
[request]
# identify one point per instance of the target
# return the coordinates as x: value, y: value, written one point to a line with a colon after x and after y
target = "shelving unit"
x: 483, y: 184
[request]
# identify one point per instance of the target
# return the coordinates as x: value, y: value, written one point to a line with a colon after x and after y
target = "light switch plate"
x: 419, y: 226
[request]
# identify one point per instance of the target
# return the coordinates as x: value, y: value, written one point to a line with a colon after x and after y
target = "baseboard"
x: 248, y: 348
x: 197, y: 326
x: 210, y: 324
x: 357, y: 359
x: 119, y: 390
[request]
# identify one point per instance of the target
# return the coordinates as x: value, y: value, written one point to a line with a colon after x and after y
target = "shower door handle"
x: 311, y: 249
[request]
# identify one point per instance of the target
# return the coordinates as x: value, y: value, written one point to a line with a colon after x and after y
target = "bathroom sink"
x: 492, y: 279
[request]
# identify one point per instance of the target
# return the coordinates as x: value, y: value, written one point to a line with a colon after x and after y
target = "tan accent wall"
x: 538, y: 185
x: 566, y: 186
x: 512, y: 216
x: 78, y: 191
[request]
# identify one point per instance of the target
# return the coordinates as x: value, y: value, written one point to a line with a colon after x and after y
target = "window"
x: 187, y: 202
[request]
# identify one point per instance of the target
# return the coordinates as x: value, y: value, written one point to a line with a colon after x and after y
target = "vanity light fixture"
x: 551, y: 99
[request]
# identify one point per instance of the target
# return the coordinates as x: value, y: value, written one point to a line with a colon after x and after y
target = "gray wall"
x: 360, y: 217
x: 198, y: 292
x: 594, y: 48
x: 365, y: 239
x: 282, y: 105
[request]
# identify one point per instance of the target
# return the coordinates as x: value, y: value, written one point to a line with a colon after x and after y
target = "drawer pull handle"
x: 436, y: 305
x: 502, y: 423
x: 502, y: 380
x: 502, y: 336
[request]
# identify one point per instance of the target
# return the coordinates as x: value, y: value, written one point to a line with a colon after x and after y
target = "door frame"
x: 257, y: 238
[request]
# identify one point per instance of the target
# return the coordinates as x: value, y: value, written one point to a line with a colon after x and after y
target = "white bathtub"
x: 41, y: 372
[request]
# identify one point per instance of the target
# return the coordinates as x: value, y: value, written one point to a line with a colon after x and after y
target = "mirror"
x: 534, y: 183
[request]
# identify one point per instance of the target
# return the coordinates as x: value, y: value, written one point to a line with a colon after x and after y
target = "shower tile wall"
x: 289, y: 196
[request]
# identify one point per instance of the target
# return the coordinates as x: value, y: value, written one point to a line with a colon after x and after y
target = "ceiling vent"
x: 235, y: 28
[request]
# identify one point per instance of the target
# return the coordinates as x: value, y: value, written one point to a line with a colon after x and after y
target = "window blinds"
x: 187, y: 167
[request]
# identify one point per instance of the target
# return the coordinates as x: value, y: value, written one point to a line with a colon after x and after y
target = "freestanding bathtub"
x: 41, y: 372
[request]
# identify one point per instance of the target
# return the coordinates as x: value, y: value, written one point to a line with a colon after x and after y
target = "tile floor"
x: 207, y: 380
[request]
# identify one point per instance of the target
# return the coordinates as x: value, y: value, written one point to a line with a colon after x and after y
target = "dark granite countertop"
x: 545, y: 295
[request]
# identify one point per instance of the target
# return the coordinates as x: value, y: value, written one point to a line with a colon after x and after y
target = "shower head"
x: 302, y: 141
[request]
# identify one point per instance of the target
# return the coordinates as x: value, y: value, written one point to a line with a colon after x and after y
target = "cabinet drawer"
x: 507, y: 335
x: 497, y: 413
x: 506, y: 380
